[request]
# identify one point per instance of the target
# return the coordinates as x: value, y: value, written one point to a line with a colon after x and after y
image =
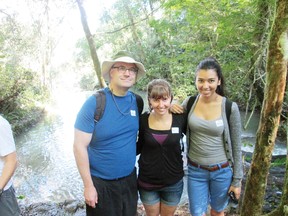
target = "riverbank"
x: 77, y: 207
x: 28, y: 121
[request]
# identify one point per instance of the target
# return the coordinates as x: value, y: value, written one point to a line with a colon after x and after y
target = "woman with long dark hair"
x: 213, y: 143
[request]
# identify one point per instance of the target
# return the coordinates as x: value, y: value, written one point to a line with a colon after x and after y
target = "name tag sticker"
x: 219, y: 123
x: 175, y: 130
x: 133, y: 112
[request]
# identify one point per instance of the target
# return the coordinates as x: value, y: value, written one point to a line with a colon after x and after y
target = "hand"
x: 236, y: 190
x: 176, y: 108
x: 91, y: 196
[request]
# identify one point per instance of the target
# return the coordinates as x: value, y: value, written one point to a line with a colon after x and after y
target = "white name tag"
x: 133, y: 112
x: 175, y: 130
x: 219, y: 123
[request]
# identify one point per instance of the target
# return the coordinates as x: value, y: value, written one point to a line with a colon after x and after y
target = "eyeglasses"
x: 122, y: 69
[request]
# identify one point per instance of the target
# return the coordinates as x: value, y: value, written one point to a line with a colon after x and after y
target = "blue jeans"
x: 169, y: 195
x: 205, y: 187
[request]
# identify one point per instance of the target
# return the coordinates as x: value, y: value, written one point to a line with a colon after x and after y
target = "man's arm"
x: 81, y: 142
x: 10, y: 164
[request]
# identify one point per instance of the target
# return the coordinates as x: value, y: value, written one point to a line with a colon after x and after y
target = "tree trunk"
x: 270, y: 115
x: 134, y: 31
x: 283, y: 207
x: 91, y: 43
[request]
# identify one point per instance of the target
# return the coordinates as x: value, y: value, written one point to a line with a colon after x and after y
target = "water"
x: 47, y: 169
x: 249, y: 137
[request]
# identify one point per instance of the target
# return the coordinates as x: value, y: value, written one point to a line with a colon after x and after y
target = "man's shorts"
x: 117, y: 197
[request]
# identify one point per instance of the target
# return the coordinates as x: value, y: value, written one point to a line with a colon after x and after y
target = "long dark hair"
x: 212, y: 63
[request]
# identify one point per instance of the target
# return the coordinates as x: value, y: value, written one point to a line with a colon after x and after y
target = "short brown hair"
x: 159, y: 88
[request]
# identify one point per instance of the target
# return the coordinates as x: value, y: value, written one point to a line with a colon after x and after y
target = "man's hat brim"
x: 106, y: 66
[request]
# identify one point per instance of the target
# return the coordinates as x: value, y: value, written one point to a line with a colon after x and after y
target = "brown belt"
x: 209, y: 168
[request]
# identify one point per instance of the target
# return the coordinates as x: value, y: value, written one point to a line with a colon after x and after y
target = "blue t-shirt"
x: 112, y: 150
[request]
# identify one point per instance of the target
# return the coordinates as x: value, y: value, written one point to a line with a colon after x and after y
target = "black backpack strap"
x: 140, y: 103
x: 228, y: 106
x: 190, y: 103
x: 100, y: 104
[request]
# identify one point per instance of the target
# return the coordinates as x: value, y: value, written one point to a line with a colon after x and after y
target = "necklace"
x: 114, y: 100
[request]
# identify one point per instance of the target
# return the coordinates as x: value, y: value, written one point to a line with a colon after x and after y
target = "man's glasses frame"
x: 123, y: 69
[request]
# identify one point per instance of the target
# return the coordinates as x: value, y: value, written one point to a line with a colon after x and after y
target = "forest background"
x: 170, y: 37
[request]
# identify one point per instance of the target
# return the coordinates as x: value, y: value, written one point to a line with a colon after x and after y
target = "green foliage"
x: 186, y: 32
x: 175, y: 35
x: 87, y: 82
x: 245, y: 144
x: 21, y: 197
x: 279, y: 162
x: 21, y: 90
x: 247, y: 158
x: 82, y: 52
x: 211, y: 28
x: 20, y: 96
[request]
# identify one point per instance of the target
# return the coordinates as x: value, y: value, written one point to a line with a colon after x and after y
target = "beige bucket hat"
x: 122, y: 56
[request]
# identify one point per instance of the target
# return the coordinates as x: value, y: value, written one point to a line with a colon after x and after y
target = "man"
x: 8, y: 163
x: 105, y: 151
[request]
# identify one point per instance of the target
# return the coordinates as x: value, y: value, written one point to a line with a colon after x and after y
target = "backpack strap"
x: 228, y: 105
x: 190, y: 103
x: 140, y: 103
x: 100, y: 104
